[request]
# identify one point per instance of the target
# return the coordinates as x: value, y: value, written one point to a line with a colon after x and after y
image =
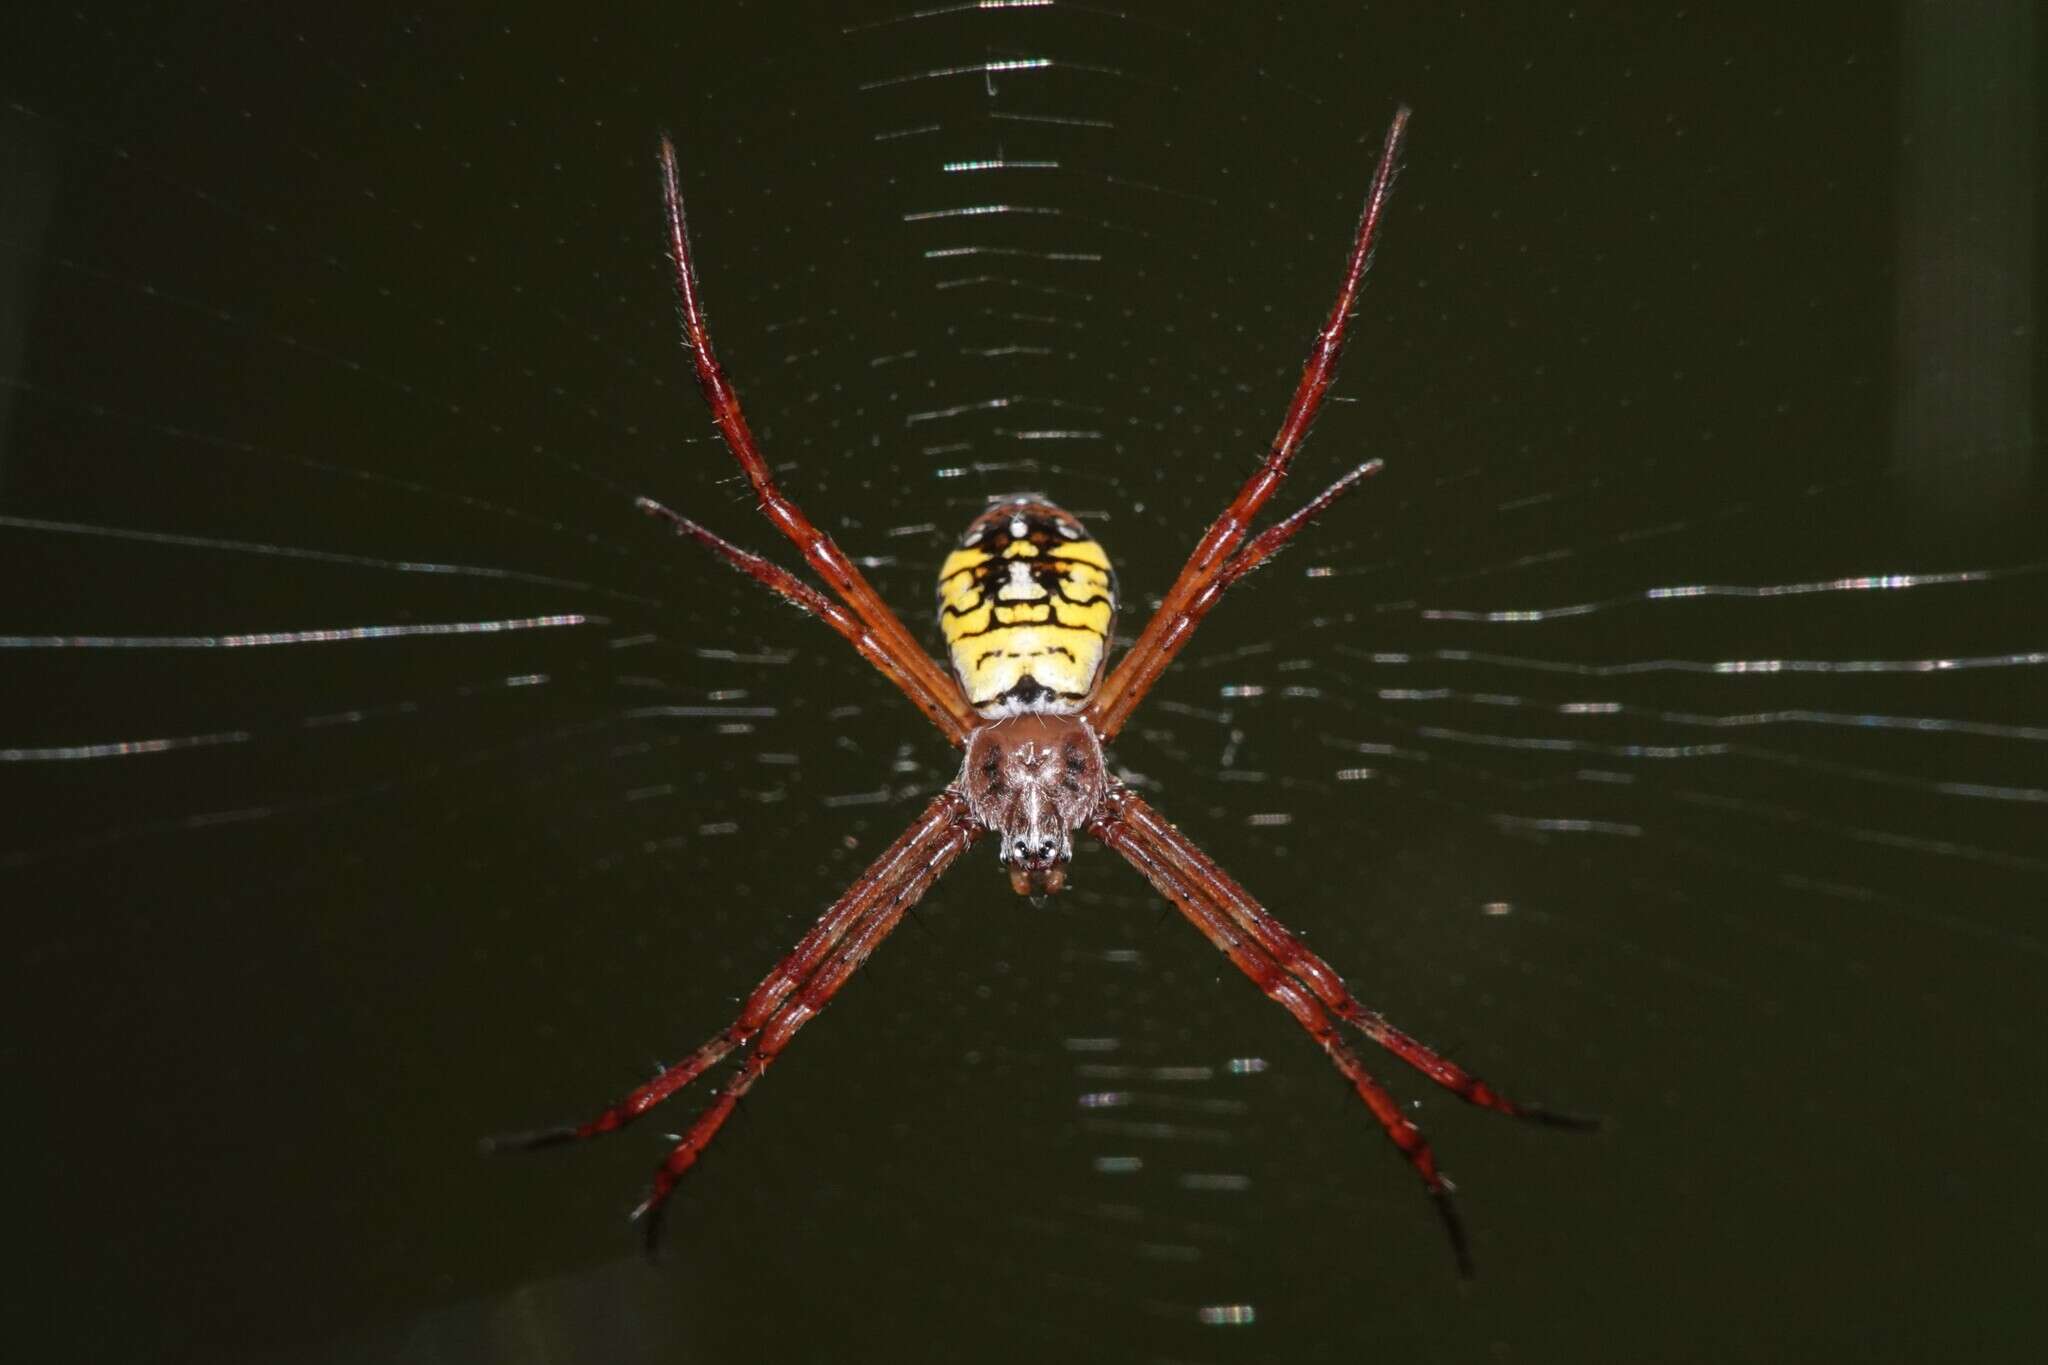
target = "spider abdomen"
x: 1027, y: 604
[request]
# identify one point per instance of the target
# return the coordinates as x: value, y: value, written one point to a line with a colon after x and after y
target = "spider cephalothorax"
x: 1026, y: 603
x: 1032, y: 780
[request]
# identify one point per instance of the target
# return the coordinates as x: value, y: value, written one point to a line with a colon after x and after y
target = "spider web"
x: 1659, y: 733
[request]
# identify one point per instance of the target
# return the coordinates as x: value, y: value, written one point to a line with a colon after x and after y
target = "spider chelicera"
x: 1026, y: 603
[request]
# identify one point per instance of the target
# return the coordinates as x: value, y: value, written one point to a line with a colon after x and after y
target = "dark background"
x: 358, y: 321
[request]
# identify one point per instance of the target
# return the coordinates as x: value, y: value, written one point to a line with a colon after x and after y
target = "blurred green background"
x: 1591, y: 741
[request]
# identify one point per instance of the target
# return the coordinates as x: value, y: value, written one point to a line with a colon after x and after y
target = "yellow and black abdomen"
x: 1027, y: 604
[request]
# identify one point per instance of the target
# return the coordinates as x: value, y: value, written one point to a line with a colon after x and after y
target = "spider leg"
x: 1171, y: 625
x: 1168, y: 846
x: 819, y: 550
x: 885, y: 911
x: 795, y: 591
x: 1248, y: 557
x: 1201, y: 909
x: 1269, y: 542
x: 906, y: 868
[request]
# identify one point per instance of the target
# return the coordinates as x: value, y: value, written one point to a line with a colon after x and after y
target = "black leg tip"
x: 649, y: 1216
x: 1454, y: 1227
x: 526, y: 1142
x: 1551, y: 1118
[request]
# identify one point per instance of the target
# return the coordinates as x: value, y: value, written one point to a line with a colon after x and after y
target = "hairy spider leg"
x: 800, y: 594
x: 1193, y: 901
x: 1274, y: 538
x: 905, y: 869
x: 1248, y: 557
x: 1170, y: 626
x: 1168, y: 845
x: 819, y: 550
x: 947, y: 840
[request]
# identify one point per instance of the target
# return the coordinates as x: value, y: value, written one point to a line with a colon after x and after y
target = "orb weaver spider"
x: 1026, y: 604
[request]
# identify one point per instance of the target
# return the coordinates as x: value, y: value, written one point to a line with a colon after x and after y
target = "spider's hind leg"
x: 1209, y: 569
x: 946, y: 709
x: 832, y: 564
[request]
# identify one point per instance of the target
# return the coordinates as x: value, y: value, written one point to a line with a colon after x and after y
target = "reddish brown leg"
x: 1248, y: 557
x: 1255, y: 962
x: 887, y: 910
x: 1169, y: 846
x: 794, y: 590
x: 819, y: 550
x: 1269, y: 542
x: 1171, y: 625
x: 902, y: 874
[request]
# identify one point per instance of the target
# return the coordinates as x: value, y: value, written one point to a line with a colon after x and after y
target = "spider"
x: 1026, y: 604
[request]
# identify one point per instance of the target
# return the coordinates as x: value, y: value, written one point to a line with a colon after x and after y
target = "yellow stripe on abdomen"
x: 1027, y: 605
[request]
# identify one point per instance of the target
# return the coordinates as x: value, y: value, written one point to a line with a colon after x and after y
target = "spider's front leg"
x: 789, y: 997
x: 1284, y: 989
x: 1165, y: 843
x: 1302, y: 983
